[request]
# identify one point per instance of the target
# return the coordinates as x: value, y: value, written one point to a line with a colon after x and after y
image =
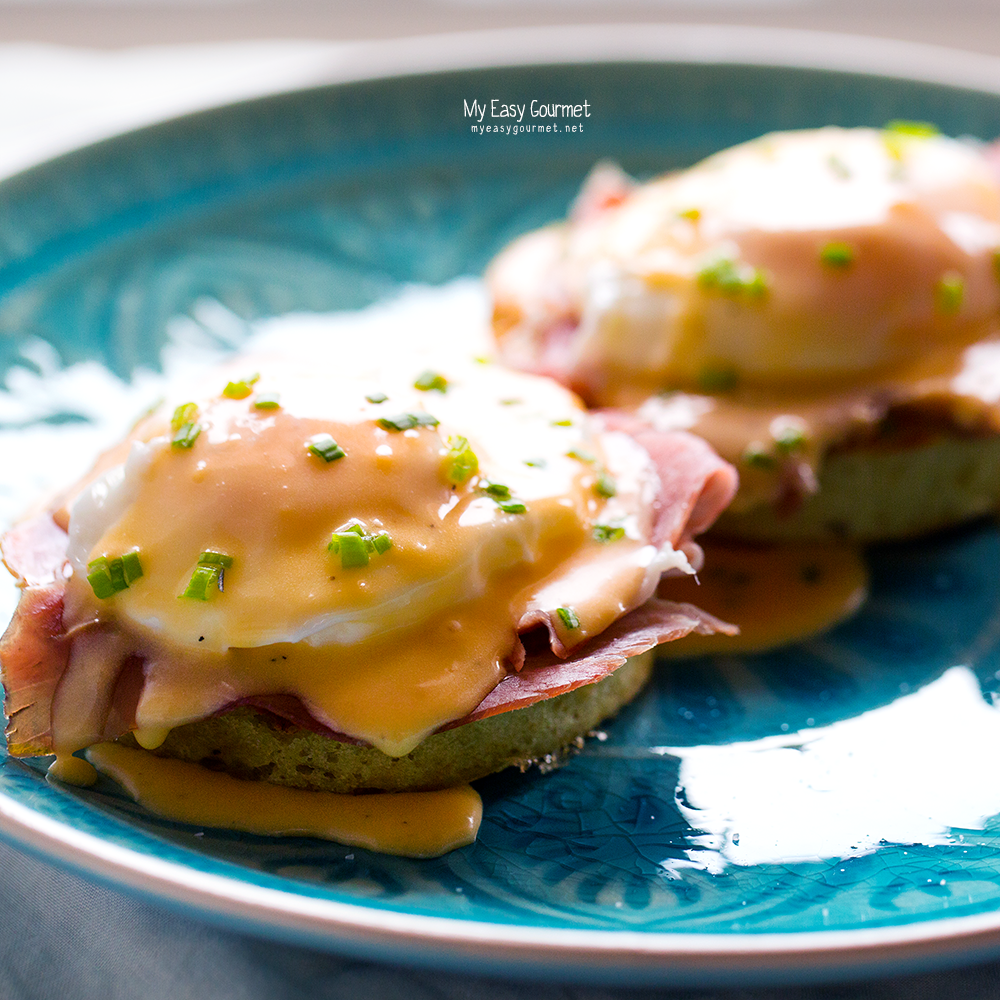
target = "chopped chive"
x: 323, y: 446
x: 242, y: 388
x: 377, y: 397
x: 608, y: 532
x: 582, y: 455
x: 267, y: 401
x: 431, y: 380
x: 204, y: 580
x: 407, y: 421
x: 536, y: 463
x: 208, y: 575
x: 727, y: 277
x: 132, y: 567
x: 462, y: 462
x: 111, y: 576
x: 184, y: 426
x: 789, y: 439
x: 839, y: 255
x: 949, y: 294
x: 185, y: 435
x: 721, y: 275
x: 354, y: 526
x: 718, y: 377
x: 116, y: 571
x: 186, y: 413
x: 562, y: 423
x: 351, y: 548
x: 212, y: 558
x: 512, y: 506
x: 568, y: 617
x: 481, y: 359
x: 896, y: 134
x: 99, y: 578
x: 497, y: 490
x: 605, y: 486
x: 691, y: 214
x: 756, y: 456
x: 353, y: 544
x: 917, y: 130
x: 511, y: 401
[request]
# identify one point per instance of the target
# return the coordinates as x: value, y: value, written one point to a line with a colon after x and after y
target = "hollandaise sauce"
x: 412, y: 824
x: 775, y: 594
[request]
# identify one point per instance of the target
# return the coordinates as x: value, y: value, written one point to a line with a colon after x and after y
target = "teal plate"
x: 828, y: 809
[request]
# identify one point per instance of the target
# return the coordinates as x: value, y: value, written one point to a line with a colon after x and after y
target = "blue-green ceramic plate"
x: 827, y: 809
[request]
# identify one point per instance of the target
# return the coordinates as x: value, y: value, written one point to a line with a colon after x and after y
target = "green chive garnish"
x: 111, y: 576
x: 186, y: 413
x: 718, y: 377
x: 116, y: 571
x: 431, y: 380
x: 497, y: 490
x: 267, y: 401
x: 461, y: 462
x: 839, y: 255
x: 608, y: 532
x: 209, y: 575
x: 916, y: 130
x: 568, y: 617
x: 536, y: 463
x: 512, y: 506
x: 726, y: 277
x: 562, y: 423
x: 353, y: 526
x: 184, y: 426
x: 949, y: 294
x: 353, y: 544
x: 212, y: 558
x: 896, y: 134
x: 789, y: 439
x: 204, y: 580
x: 352, y: 550
x: 377, y: 397
x: 132, y: 567
x: 756, y: 456
x: 242, y: 388
x: 605, y: 486
x: 100, y: 579
x: 186, y: 436
x: 512, y: 401
x: 323, y: 446
x: 582, y: 455
x: 407, y: 421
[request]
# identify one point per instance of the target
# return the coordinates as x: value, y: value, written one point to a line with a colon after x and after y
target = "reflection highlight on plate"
x: 896, y: 774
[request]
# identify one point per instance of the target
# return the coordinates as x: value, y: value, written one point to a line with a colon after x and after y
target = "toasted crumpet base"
x: 247, y: 744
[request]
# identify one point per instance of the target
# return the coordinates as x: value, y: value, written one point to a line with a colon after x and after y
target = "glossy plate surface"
x: 830, y: 807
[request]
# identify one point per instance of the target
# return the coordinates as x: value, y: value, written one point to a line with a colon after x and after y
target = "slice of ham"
x: 695, y: 486
x: 544, y: 675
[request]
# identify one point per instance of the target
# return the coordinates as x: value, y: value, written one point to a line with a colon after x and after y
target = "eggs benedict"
x: 346, y: 580
x: 821, y: 306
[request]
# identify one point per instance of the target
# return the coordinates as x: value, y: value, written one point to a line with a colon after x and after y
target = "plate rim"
x: 524, y: 950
